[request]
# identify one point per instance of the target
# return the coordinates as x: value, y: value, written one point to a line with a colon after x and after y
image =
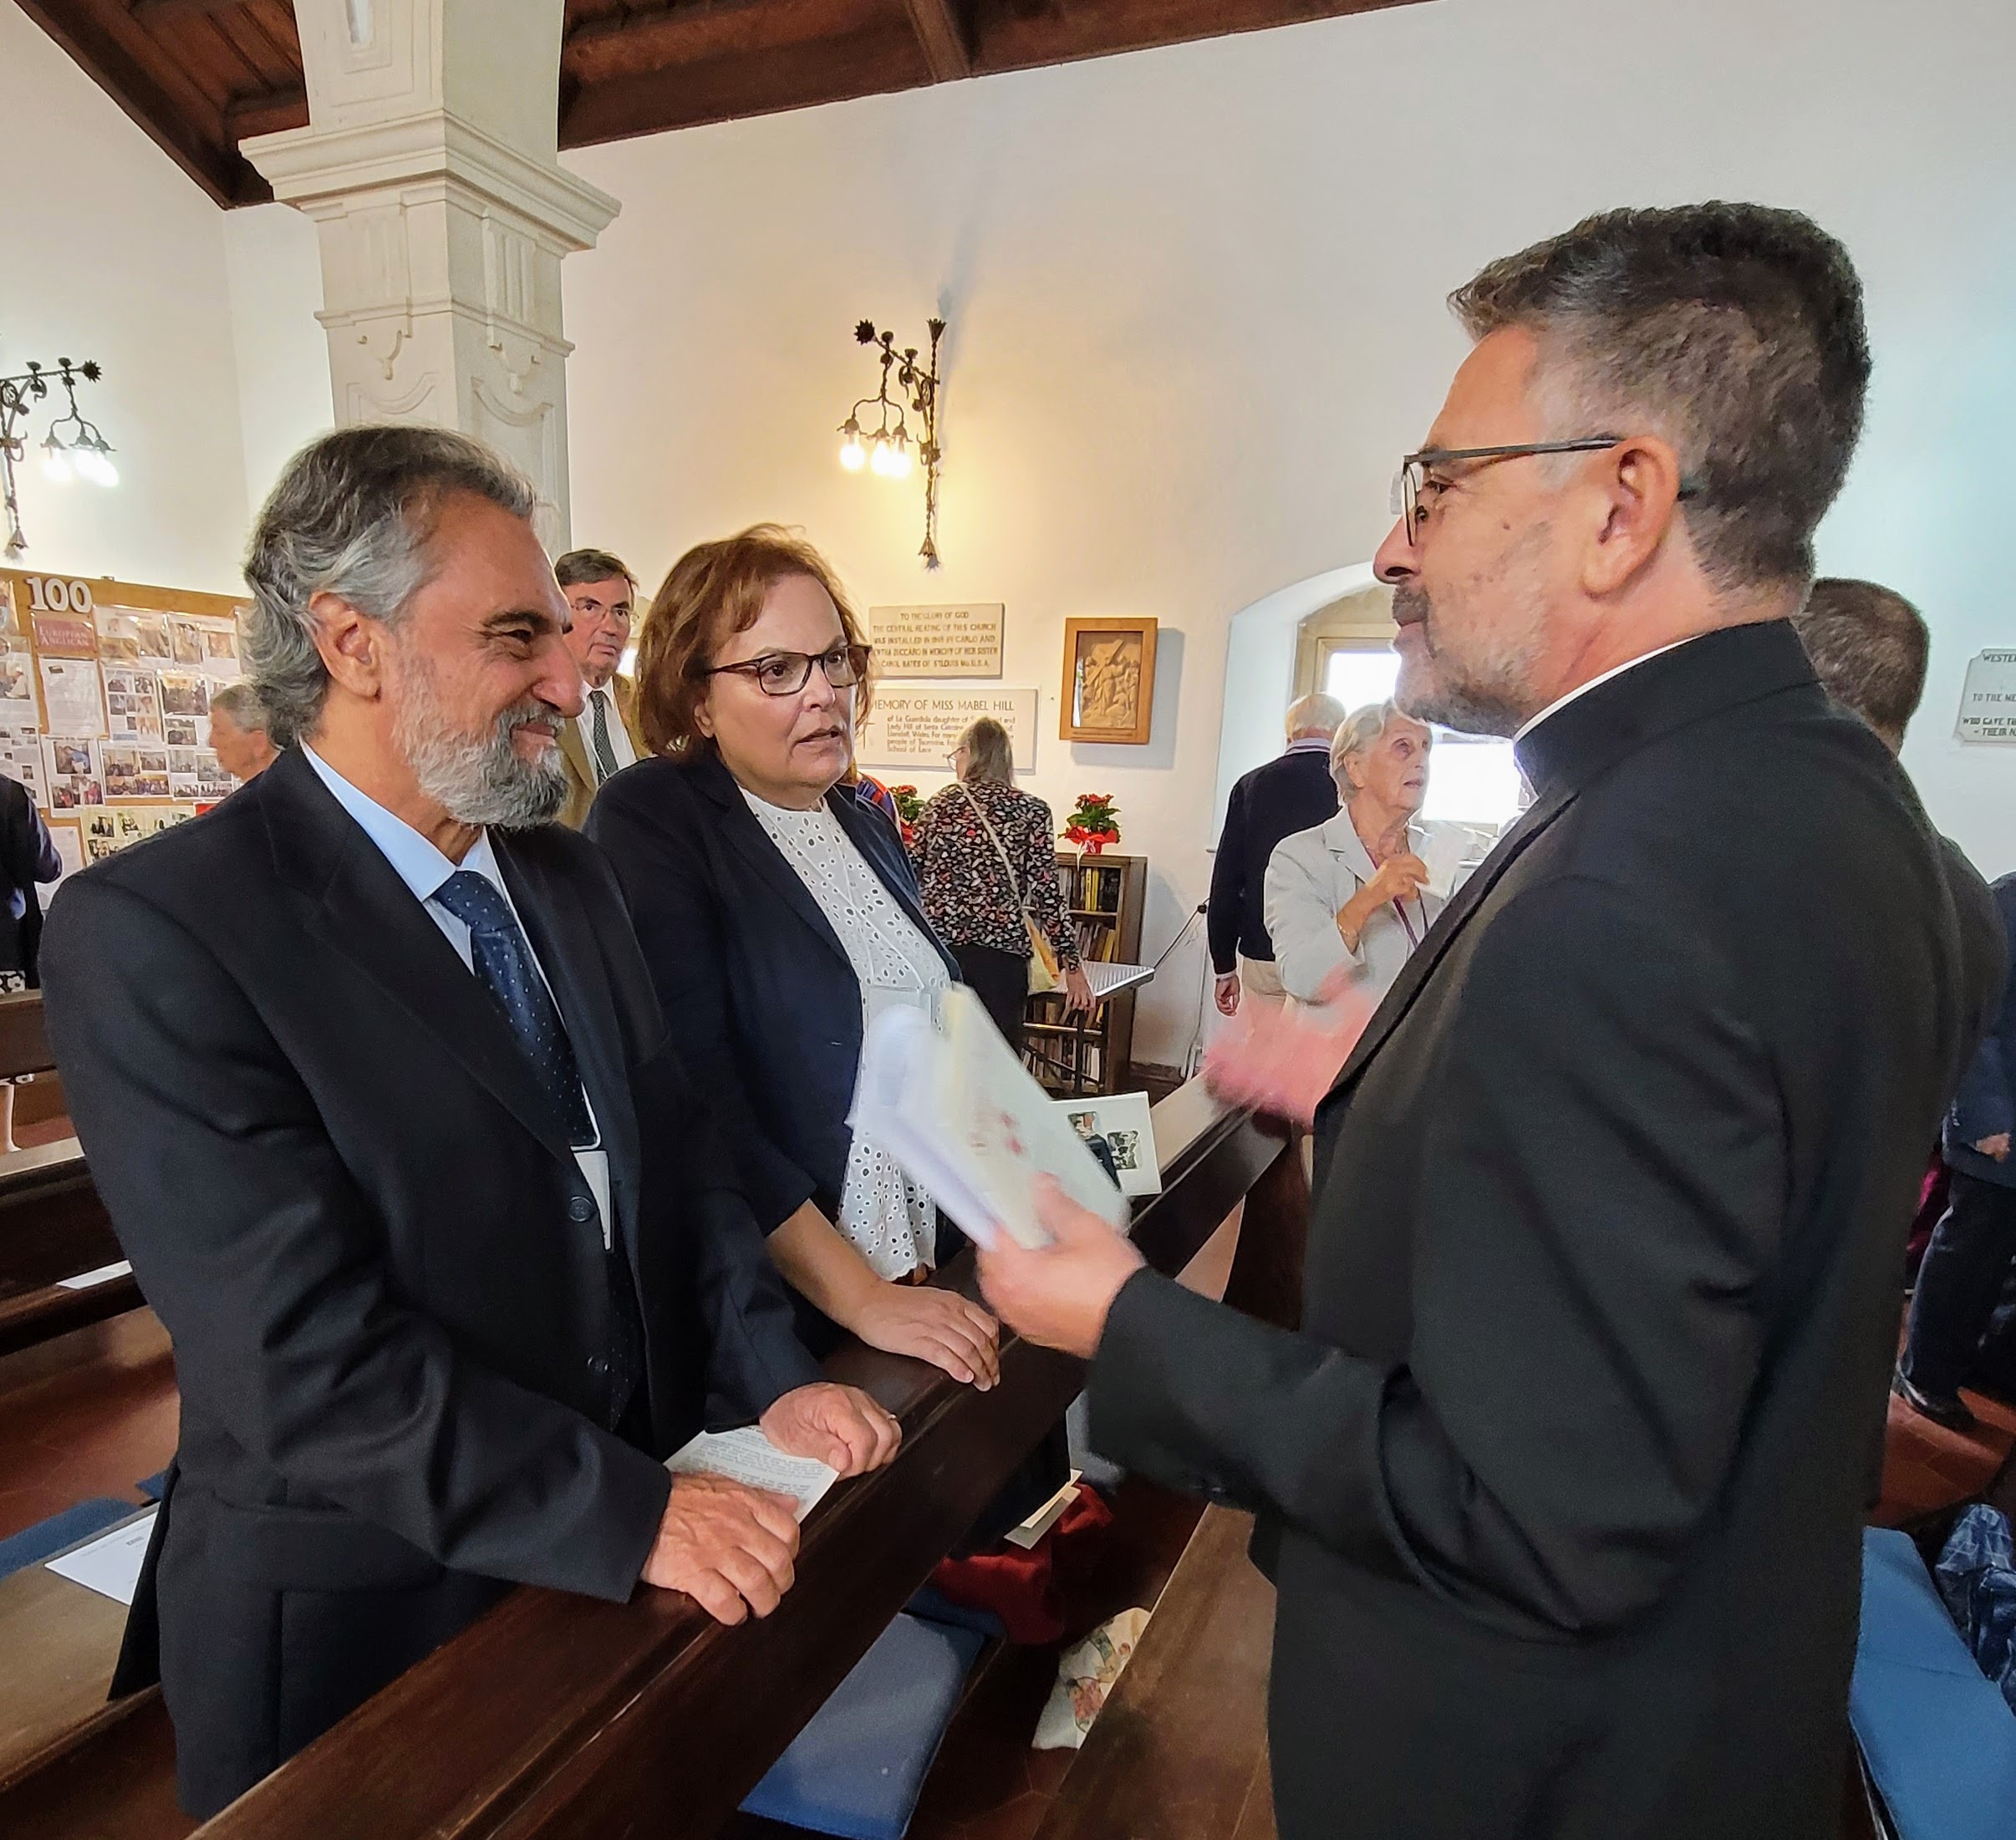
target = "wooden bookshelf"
x: 1076, y: 1055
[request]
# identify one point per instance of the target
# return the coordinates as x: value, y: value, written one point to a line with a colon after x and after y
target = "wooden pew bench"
x: 557, y: 1716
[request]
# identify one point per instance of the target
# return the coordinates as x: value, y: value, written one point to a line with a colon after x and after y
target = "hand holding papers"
x: 955, y: 1108
x: 1059, y: 1295
x: 749, y: 1458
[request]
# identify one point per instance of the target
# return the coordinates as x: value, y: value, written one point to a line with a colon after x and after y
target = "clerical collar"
x: 1533, y: 722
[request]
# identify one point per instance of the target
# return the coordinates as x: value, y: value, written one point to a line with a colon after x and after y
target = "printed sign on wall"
x: 917, y: 726
x: 1988, y: 701
x: 938, y: 641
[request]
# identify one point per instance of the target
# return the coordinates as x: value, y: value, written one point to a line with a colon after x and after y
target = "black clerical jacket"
x: 1562, y: 1478
x: 340, y: 1186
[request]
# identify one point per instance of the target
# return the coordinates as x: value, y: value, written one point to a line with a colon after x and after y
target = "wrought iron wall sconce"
x: 886, y: 448
x: 87, y: 454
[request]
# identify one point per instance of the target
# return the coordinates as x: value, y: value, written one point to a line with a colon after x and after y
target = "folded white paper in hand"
x: 747, y: 1456
x: 955, y: 1108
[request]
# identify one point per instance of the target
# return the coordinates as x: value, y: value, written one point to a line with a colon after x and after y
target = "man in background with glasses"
x: 605, y: 739
x: 1562, y: 1476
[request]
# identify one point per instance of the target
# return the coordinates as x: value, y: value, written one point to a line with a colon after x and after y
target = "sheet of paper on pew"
x: 747, y: 1456
x: 1122, y: 1119
x: 950, y: 1100
x: 1039, y: 1523
x: 110, y: 1564
x: 102, y: 1275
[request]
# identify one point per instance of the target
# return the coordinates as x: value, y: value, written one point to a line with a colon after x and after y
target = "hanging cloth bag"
x: 1043, y: 976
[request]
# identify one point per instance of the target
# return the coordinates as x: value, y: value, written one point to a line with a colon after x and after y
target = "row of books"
x: 1091, y: 887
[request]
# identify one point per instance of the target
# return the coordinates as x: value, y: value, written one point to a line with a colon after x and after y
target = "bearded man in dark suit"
x: 1561, y: 1478
x: 360, y: 1061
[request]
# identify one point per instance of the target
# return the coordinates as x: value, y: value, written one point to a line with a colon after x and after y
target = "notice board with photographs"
x: 104, y: 704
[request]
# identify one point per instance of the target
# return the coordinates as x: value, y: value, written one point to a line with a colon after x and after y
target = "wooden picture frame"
x: 1109, y: 681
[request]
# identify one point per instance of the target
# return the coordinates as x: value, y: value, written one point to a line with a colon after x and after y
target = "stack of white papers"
x: 110, y: 1564
x: 957, y: 1111
x: 747, y: 1456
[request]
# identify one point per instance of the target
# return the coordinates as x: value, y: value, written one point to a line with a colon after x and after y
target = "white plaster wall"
x: 111, y: 253
x: 1195, y: 298
x: 274, y: 269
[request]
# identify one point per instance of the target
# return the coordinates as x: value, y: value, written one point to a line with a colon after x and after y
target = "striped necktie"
x: 605, y: 754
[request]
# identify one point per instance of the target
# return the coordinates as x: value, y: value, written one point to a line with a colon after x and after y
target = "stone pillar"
x: 429, y: 168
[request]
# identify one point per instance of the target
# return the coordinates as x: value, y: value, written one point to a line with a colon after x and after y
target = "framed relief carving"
x: 1109, y: 680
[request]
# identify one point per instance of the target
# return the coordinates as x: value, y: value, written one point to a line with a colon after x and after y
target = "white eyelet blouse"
x: 889, y: 1220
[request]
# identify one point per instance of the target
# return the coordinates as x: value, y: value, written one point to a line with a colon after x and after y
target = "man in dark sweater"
x: 1290, y: 793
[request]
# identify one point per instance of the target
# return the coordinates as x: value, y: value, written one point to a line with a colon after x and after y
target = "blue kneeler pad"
x: 1939, y: 1738
x: 44, y: 1540
x: 857, y: 1769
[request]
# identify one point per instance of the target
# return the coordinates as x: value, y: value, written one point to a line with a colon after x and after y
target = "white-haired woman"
x: 1348, y: 901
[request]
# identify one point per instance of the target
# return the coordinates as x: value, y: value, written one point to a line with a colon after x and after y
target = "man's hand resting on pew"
x: 840, y: 1425
x: 1059, y: 1296
x: 730, y: 1547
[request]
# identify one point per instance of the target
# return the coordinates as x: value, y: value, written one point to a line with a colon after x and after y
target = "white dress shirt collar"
x: 413, y: 858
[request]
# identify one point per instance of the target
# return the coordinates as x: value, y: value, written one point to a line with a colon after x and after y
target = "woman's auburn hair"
x: 713, y: 591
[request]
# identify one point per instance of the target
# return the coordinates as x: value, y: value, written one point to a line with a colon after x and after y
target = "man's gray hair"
x: 241, y: 702
x: 1315, y: 713
x: 1357, y: 732
x: 1734, y: 332
x: 1870, y: 648
x: 579, y: 567
x: 352, y: 516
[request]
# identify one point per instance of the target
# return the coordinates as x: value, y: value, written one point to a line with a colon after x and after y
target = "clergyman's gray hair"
x: 241, y: 702
x: 1734, y: 332
x: 989, y: 754
x: 352, y: 516
x: 1315, y: 713
x: 1357, y: 732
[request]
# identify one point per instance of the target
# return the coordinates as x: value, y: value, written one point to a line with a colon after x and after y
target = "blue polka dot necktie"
x: 503, y: 963
x: 501, y: 958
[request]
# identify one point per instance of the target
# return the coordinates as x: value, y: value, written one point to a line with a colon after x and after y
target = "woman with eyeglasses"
x: 779, y: 917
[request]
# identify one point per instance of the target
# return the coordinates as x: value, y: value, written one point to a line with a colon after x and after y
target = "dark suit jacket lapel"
x: 746, y: 836
x: 359, y: 906
x: 569, y: 952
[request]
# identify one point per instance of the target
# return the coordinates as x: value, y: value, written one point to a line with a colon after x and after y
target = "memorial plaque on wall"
x: 938, y: 641
x: 1988, y: 701
x: 917, y: 726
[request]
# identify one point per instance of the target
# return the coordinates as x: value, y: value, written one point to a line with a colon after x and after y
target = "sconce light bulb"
x: 56, y: 462
x: 108, y: 474
x: 900, y: 461
x: 92, y: 464
x: 853, y: 456
x: 883, y: 458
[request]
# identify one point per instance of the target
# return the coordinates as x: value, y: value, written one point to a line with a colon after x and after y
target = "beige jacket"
x: 580, y: 767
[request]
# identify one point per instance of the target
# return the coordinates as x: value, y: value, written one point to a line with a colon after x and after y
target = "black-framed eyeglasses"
x: 1412, y: 480
x: 785, y: 674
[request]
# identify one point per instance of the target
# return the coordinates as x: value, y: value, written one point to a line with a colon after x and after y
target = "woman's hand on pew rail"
x: 839, y: 1425
x: 727, y: 1546
x: 1059, y: 1296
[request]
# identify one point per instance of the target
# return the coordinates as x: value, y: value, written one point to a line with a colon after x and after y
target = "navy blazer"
x: 1290, y: 793
x: 756, y: 986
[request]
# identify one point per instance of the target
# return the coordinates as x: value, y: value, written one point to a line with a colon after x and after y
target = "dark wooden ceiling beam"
x: 941, y: 33
x: 196, y: 145
x: 266, y: 112
x: 642, y: 44
x: 868, y: 63
x: 152, y: 12
x: 1013, y: 35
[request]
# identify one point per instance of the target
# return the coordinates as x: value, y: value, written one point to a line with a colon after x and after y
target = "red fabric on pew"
x: 1028, y: 1590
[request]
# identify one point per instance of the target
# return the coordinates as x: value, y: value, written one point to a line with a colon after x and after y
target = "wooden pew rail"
x: 555, y: 1716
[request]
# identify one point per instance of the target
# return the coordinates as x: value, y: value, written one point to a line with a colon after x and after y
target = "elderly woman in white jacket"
x: 1352, y: 896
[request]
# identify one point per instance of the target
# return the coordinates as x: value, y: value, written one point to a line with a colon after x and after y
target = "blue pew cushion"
x: 153, y: 1486
x: 44, y: 1540
x: 1940, y: 1743
x: 857, y: 1768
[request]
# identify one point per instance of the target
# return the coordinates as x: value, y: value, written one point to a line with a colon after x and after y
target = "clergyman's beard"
x: 476, y: 780
x: 1487, y: 688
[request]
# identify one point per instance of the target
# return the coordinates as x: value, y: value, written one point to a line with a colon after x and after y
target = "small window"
x: 1473, y: 778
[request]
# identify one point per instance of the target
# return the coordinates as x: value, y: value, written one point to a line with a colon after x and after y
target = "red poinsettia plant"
x: 1094, y: 822
x: 909, y: 808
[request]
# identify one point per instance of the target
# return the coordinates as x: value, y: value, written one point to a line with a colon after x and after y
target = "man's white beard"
x: 476, y: 781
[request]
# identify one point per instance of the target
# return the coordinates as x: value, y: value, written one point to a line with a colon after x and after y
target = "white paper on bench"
x: 747, y: 1456
x: 103, y: 1275
x: 110, y: 1564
